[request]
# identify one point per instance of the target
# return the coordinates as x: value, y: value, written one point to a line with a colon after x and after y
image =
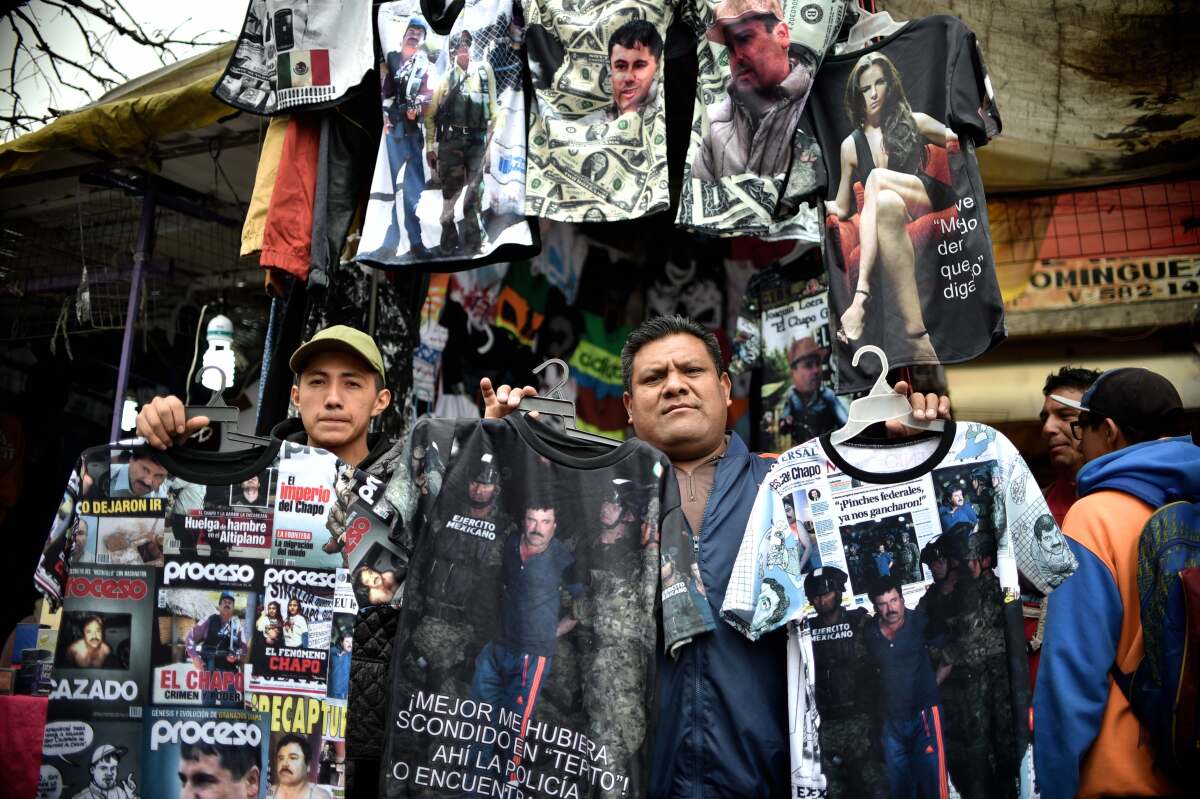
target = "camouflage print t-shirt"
x: 542, y: 570
x: 597, y: 136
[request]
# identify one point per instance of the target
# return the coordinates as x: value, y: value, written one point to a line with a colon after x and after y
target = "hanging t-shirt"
x: 597, y: 136
x: 751, y: 163
x: 449, y: 185
x: 920, y: 540
x: 297, y: 56
x: 907, y: 247
x: 783, y: 333
x: 525, y: 654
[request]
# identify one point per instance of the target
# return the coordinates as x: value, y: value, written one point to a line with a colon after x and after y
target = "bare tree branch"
x: 36, y: 63
x: 89, y: 38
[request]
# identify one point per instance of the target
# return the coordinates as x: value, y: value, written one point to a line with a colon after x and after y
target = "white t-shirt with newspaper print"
x: 822, y: 506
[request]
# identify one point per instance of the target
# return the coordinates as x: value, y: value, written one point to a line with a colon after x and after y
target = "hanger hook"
x: 881, y: 384
x: 215, y: 400
x: 556, y: 390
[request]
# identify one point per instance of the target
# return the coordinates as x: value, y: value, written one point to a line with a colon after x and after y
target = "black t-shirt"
x: 543, y: 571
x: 898, y: 124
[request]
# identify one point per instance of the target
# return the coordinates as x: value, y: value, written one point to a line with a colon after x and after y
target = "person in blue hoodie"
x: 1087, y: 741
x: 722, y: 730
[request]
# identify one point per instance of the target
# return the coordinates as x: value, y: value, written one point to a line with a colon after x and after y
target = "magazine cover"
x: 341, y: 645
x: 125, y: 493
x: 293, y: 631
x: 192, y: 752
x: 102, y: 657
x: 303, y: 500
x: 449, y: 179
x: 331, y: 763
x: 361, y: 524
x: 302, y: 759
x: 203, y: 616
x: 86, y: 756
x: 220, y: 521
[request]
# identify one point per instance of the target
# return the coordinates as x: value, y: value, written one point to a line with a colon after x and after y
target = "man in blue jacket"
x: 1087, y: 741
x: 722, y: 727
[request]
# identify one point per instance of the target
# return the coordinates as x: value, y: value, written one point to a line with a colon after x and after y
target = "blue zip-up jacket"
x: 722, y: 728
x: 1087, y: 742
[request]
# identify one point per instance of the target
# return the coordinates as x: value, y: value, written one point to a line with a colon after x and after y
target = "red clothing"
x: 1060, y: 496
x: 287, y: 235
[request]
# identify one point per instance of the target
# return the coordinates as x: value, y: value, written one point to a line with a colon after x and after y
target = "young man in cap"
x: 851, y: 765
x: 103, y: 784
x: 1089, y: 743
x: 723, y: 726
x: 339, y: 389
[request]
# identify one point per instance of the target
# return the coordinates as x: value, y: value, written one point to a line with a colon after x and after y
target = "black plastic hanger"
x: 219, y: 413
x: 565, y: 409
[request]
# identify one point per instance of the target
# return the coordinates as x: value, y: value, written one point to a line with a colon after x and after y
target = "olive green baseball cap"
x: 341, y: 338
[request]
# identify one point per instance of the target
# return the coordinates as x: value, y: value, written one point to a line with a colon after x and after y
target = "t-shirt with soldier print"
x: 751, y: 165
x: 543, y: 573
x: 897, y: 560
x: 597, y: 135
x: 448, y: 192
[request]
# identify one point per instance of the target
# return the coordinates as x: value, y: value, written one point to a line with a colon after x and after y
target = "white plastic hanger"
x: 881, y: 405
x: 869, y: 26
x: 565, y: 409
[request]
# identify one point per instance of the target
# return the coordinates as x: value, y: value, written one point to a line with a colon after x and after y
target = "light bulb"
x: 218, y: 354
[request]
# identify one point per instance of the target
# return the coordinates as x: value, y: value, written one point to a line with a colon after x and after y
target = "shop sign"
x: 1080, y: 282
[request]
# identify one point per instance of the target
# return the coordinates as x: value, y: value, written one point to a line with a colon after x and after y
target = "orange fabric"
x: 1120, y: 762
x: 264, y: 186
x: 287, y: 237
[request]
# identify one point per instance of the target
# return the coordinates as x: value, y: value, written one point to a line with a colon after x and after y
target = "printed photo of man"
x: 956, y: 510
x: 291, y: 760
x: 809, y: 408
x: 537, y: 568
x: 90, y: 651
x: 142, y: 476
x: 464, y: 115
x: 105, y: 780
x: 898, y: 642
x: 406, y: 94
x: 218, y: 644
x: 252, y: 492
x: 218, y: 771
x: 756, y: 128
x: 634, y: 52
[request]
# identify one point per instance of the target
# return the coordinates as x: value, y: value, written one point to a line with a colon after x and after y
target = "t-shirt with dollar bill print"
x: 587, y: 161
x: 547, y: 576
x: 871, y: 508
x: 749, y: 172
